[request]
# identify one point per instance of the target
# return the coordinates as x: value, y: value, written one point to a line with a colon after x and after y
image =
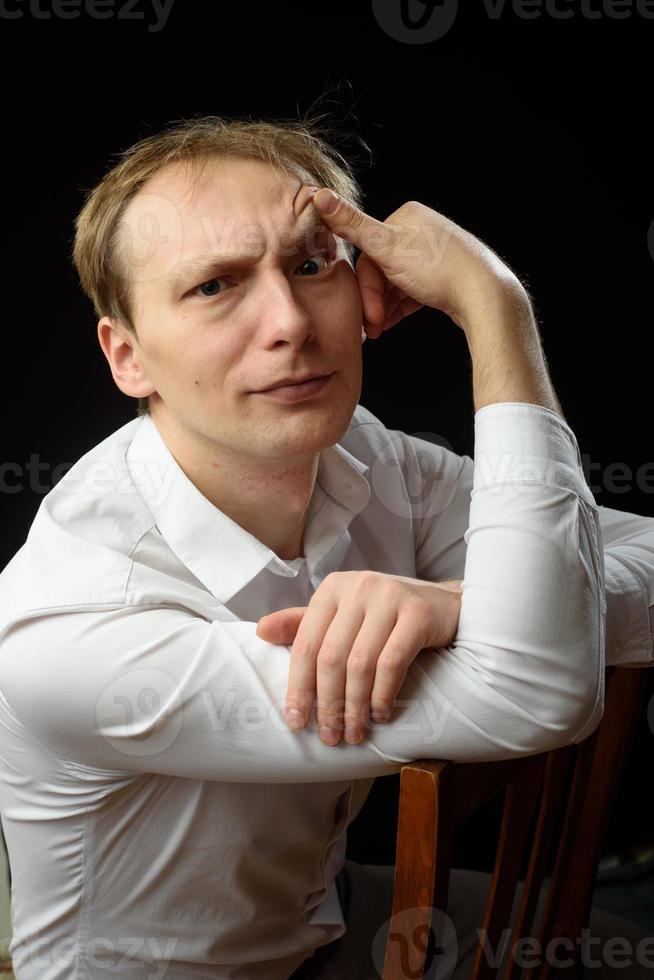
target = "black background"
x: 533, y: 133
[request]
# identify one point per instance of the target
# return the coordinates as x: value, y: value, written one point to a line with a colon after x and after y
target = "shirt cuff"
x: 533, y: 444
x: 629, y: 620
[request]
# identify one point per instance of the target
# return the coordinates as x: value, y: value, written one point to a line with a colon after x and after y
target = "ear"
x: 119, y: 347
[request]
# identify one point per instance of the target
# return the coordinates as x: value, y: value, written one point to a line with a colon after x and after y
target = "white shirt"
x: 156, y: 808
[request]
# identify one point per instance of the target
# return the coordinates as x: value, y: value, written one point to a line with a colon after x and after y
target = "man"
x: 250, y: 545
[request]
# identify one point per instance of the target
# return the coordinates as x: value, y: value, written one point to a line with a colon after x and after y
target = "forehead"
x: 231, y: 187
x: 188, y: 209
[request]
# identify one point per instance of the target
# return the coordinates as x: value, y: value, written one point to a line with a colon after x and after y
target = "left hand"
x: 355, y: 641
x: 416, y: 257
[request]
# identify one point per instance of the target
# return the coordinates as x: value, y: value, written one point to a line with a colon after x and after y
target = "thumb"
x: 352, y: 224
x: 280, y: 627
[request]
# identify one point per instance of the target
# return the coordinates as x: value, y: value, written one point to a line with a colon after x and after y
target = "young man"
x: 254, y: 542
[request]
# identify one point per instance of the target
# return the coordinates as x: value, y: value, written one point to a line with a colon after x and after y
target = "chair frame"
x: 574, y: 788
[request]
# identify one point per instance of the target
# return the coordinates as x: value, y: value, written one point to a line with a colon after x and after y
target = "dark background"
x: 533, y: 133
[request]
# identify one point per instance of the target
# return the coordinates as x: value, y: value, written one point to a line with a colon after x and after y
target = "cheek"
x: 347, y: 305
x: 178, y: 365
x: 211, y: 361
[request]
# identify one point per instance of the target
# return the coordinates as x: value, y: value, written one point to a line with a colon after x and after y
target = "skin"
x: 201, y: 357
x: 205, y: 345
x: 361, y: 632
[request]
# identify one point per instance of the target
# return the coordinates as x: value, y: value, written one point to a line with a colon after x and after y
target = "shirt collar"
x: 218, y: 551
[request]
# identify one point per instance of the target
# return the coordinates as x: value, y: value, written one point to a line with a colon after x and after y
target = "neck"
x: 266, y: 497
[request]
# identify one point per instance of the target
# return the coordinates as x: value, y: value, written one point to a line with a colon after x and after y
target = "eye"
x: 328, y: 256
x: 209, y: 282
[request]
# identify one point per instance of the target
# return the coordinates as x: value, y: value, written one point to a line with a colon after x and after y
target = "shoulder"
x: 77, y: 550
x: 427, y: 455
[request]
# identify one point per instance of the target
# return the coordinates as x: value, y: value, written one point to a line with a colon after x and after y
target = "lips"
x: 289, y: 382
x: 298, y: 391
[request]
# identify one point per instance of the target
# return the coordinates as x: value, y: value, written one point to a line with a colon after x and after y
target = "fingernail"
x: 329, y: 735
x: 353, y: 736
x: 295, y: 718
x: 328, y: 202
x: 380, y: 715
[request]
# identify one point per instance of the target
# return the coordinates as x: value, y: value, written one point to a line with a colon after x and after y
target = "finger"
x: 304, y: 654
x: 349, y: 222
x: 373, y: 287
x: 281, y: 627
x: 407, y: 639
x: 361, y: 667
x: 451, y: 585
x: 398, y: 298
x: 396, y: 310
x: 404, y: 308
x: 331, y: 670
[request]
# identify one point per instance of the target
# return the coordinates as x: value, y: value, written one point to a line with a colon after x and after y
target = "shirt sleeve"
x: 441, y: 518
x: 629, y: 570
x: 139, y: 689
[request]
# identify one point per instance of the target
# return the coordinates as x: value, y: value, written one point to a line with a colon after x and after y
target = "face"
x: 283, y: 302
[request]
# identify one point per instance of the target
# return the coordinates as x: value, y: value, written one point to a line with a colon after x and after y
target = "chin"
x: 317, y: 433
x: 336, y: 425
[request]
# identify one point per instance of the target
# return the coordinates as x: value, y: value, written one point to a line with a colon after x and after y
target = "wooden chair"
x: 574, y: 788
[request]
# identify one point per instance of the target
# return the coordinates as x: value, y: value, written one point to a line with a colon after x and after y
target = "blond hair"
x: 289, y: 145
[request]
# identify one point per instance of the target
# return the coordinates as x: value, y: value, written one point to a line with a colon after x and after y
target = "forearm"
x: 508, y: 363
x: 524, y: 671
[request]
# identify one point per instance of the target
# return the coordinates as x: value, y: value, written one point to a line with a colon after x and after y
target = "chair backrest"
x: 569, y: 792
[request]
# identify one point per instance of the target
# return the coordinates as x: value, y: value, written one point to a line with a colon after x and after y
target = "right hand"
x: 354, y: 642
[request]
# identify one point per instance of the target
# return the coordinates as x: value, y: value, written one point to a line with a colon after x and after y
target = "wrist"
x: 494, y: 300
x: 446, y: 597
x: 508, y: 362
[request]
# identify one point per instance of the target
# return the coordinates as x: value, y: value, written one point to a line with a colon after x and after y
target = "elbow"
x: 584, y: 722
x: 537, y: 698
x: 574, y: 719
x: 584, y: 678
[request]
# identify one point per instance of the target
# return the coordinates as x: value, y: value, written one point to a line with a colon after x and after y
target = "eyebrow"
x: 205, y: 264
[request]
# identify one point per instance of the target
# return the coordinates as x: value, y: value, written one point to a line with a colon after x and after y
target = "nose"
x: 282, y: 317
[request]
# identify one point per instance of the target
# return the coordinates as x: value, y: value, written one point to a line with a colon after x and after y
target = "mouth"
x: 288, y: 383
x: 298, y: 390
